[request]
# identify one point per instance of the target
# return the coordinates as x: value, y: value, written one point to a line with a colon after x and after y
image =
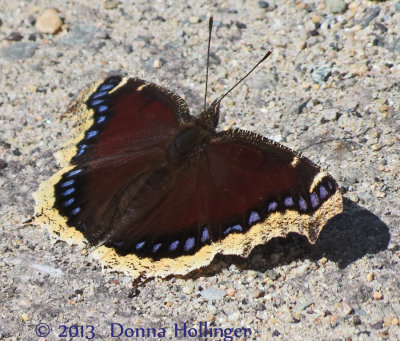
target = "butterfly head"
x: 210, y: 118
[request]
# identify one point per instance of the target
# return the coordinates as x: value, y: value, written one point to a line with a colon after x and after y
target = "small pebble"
x: 240, y: 25
x: 25, y: 317
x: 316, y: 86
x: 359, y: 69
x: 353, y: 6
x: 336, y: 6
x: 157, y: 64
x: 315, y: 18
x: 347, y: 309
x: 356, y: 320
x: 395, y: 321
x: 34, y: 36
x: 370, y: 277
x: 296, y: 316
x: 3, y: 164
x: 371, y: 14
x: 263, y: 4
x: 323, y: 260
x: 210, y: 317
x: 212, y: 309
x: 302, y: 269
x: 377, y: 296
x: 49, y: 21
x: 259, y: 293
x: 231, y: 292
x: 31, y: 20
x: 212, y: 294
x: 234, y: 317
x: 194, y: 20
x: 377, y: 325
x: 329, y: 115
x: 333, y: 319
x: 321, y: 74
x: 259, y: 306
x: 14, y: 36
x: 111, y: 4
x: 188, y: 288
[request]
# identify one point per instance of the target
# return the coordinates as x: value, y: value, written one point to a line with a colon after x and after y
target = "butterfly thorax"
x: 190, y: 144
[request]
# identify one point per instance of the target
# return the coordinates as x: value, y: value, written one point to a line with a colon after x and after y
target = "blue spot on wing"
x: 91, y: 134
x: 67, y: 183
x: 74, y: 172
x: 173, y: 246
x: 106, y: 87
x: 68, y: 191
x: 254, y: 217
x: 189, y: 244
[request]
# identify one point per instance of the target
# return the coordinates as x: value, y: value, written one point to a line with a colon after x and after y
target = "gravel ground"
x: 330, y: 90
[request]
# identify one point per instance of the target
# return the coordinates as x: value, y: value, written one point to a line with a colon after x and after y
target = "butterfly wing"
x: 240, y: 181
x: 126, y: 125
x: 124, y: 188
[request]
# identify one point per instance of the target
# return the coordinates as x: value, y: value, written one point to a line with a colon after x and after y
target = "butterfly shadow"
x: 345, y: 238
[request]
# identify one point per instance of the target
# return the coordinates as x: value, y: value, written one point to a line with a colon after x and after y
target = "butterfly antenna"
x: 243, y: 78
x: 210, y: 25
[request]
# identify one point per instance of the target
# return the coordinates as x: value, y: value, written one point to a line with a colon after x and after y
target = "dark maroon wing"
x: 133, y: 123
x: 239, y: 180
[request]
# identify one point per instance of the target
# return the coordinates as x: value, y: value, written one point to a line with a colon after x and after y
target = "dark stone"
x: 362, y: 294
x: 3, y: 164
x: 379, y: 41
x: 14, y: 36
x: 321, y: 74
x: 371, y: 14
x: 380, y: 27
x: 356, y: 320
x: 34, y: 36
x: 214, y: 59
x: 377, y: 325
x: 240, y: 25
x: 128, y: 49
x: 31, y: 20
x: 159, y: 18
x: 259, y: 306
x: 263, y: 4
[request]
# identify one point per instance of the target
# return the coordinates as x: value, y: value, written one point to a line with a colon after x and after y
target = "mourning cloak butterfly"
x: 159, y: 192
